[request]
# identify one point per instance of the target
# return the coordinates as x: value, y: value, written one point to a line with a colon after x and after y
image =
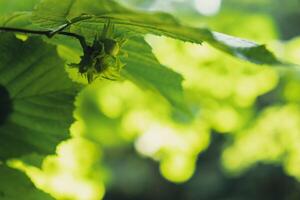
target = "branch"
x: 49, y: 34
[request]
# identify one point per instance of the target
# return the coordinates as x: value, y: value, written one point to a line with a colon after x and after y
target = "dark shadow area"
x: 5, y: 104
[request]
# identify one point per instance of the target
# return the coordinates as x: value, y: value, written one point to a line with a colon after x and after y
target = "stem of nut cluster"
x: 49, y: 34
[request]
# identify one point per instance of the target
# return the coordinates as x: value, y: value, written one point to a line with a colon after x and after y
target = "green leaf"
x: 143, y: 68
x: 16, y: 20
x: 49, y: 16
x: 36, y: 98
x: 52, y: 17
x: 9, y: 6
x: 14, y: 185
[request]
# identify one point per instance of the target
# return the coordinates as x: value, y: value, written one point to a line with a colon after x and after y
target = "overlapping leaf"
x: 14, y: 185
x: 92, y: 14
x: 36, y: 98
x: 152, y: 75
x: 10, y: 6
x: 53, y: 17
x: 143, y: 68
